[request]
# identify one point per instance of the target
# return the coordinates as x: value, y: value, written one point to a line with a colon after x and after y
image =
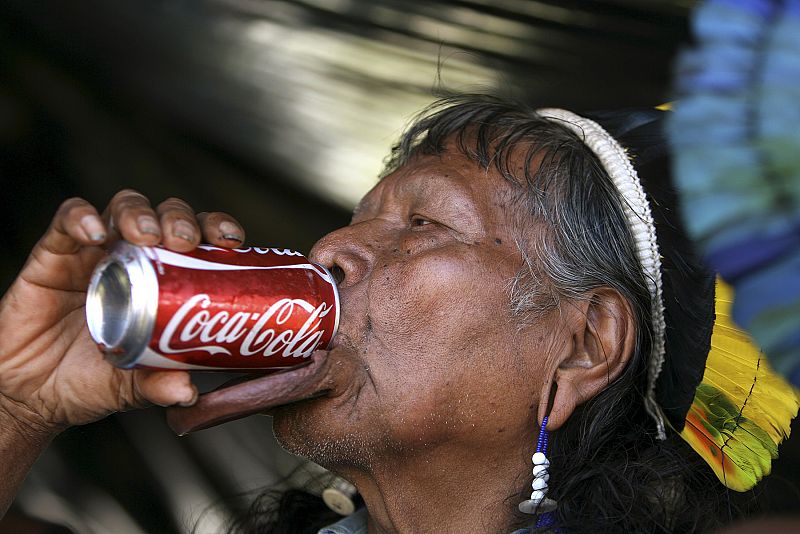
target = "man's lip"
x: 254, y: 396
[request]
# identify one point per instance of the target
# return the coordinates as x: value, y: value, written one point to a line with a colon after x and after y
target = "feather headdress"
x: 736, y: 145
x: 706, y: 381
x: 742, y: 409
x: 737, y: 155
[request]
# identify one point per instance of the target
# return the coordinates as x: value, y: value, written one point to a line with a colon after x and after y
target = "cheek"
x: 432, y: 301
x: 434, y: 315
x: 417, y: 242
x: 441, y: 344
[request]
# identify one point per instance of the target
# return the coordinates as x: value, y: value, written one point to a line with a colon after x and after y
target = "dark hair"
x: 276, y: 511
x: 609, y: 473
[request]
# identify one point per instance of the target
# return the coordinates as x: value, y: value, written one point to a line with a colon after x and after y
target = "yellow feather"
x: 742, y: 410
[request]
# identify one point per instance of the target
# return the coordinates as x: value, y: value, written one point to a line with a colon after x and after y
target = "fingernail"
x: 230, y: 231
x: 183, y: 230
x: 93, y: 227
x: 148, y: 225
x: 192, y: 400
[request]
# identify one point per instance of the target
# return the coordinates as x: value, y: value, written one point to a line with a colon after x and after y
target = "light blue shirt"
x: 357, y: 524
x: 352, y: 524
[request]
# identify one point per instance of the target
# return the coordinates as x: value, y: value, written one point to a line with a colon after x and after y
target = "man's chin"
x: 305, y: 430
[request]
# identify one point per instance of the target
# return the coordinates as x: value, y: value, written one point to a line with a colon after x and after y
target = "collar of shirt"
x: 352, y: 524
x: 357, y: 524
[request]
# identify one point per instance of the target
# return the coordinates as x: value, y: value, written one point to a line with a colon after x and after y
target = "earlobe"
x: 564, y: 402
x: 602, y: 344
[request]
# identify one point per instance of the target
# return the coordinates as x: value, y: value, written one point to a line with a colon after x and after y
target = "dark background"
x: 278, y: 112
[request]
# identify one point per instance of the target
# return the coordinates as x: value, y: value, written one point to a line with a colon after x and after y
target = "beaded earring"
x: 340, y: 496
x: 539, y: 503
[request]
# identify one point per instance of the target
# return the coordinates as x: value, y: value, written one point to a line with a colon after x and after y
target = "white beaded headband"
x: 640, y: 221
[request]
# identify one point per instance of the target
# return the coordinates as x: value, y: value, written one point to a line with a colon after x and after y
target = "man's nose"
x: 349, y: 253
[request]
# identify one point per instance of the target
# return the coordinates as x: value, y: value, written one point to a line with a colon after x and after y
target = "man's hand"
x: 52, y: 375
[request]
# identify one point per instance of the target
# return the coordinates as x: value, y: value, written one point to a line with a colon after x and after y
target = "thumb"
x: 164, y: 388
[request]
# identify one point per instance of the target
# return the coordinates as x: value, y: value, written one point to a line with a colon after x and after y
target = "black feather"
x: 688, y: 285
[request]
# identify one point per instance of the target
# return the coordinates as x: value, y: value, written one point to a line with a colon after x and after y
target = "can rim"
x: 142, y: 309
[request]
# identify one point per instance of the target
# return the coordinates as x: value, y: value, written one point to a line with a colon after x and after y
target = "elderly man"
x: 495, y: 289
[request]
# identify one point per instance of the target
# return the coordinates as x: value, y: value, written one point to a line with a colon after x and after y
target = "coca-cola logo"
x: 264, y: 333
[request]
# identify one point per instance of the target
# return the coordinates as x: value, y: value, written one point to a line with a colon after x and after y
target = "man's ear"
x: 602, y: 340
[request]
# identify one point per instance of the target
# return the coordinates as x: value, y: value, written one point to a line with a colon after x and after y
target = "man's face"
x: 438, y: 357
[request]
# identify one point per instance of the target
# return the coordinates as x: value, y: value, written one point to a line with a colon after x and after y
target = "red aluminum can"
x: 211, y: 309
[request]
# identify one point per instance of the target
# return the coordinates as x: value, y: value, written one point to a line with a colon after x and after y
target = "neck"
x: 443, y: 489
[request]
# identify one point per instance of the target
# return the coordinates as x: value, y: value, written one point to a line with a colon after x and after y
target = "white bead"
x: 338, y: 501
x: 537, y: 496
x: 537, y: 507
x: 528, y: 507
x: 539, y: 458
x: 539, y: 470
x: 539, y: 484
x: 547, y: 505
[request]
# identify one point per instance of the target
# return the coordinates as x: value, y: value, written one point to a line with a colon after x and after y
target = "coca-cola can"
x: 211, y: 309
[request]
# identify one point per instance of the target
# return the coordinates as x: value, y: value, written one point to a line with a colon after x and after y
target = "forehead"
x: 450, y: 176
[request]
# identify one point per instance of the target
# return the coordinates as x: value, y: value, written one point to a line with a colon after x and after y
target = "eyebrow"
x: 430, y: 181
x: 459, y: 200
x: 436, y: 180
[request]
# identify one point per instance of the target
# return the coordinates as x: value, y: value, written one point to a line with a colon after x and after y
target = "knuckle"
x: 216, y: 217
x: 175, y: 204
x: 129, y: 198
x: 70, y: 205
x: 176, y: 201
x: 209, y: 218
x: 124, y: 193
x: 135, y: 210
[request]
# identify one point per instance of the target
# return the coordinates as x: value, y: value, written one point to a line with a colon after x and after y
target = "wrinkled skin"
x: 427, y: 261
